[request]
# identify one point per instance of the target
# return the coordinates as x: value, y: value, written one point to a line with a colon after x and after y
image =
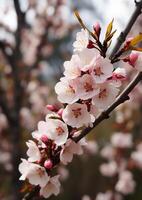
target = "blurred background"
x: 36, y: 37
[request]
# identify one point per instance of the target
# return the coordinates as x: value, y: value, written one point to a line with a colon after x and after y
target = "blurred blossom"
x: 108, y: 152
x: 86, y: 197
x: 3, y: 122
x: 91, y: 147
x: 109, y: 169
x: 125, y: 184
x: 64, y: 173
x: 121, y: 140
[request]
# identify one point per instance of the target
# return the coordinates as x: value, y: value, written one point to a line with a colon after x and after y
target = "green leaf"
x: 109, y: 29
x: 110, y: 36
x: 136, y: 49
x: 83, y: 25
x: 136, y: 40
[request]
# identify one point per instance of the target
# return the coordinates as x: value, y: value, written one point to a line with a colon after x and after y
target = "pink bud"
x: 51, y: 108
x: 60, y: 112
x: 133, y: 57
x: 48, y: 164
x: 97, y: 28
x: 44, y: 138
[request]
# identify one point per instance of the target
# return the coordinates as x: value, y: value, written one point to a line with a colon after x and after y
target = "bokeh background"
x: 36, y: 37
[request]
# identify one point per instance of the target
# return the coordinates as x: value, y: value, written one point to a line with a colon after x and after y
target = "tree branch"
x: 120, y: 99
x: 123, y: 35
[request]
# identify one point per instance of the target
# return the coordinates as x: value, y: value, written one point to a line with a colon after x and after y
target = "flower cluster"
x: 89, y: 86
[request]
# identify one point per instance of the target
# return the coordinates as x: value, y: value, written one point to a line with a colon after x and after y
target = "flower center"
x: 40, y: 172
x: 71, y: 90
x: 98, y: 71
x: 59, y: 130
x: 76, y: 112
x: 103, y: 93
x: 88, y: 87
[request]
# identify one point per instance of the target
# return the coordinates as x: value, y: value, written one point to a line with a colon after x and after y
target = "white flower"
x: 53, y: 129
x: 136, y: 60
x: 94, y: 111
x: 87, y: 59
x: 34, y: 173
x: 108, y: 196
x: 33, y: 151
x: 67, y: 91
x: 87, y: 88
x: 109, y: 169
x: 52, y: 187
x: 70, y: 148
x: 106, y: 96
x: 137, y: 157
x: 101, y: 70
x: 86, y: 197
x: 125, y: 184
x: 121, y: 140
x: 82, y: 40
x: 72, y: 69
x: 76, y: 115
x: 92, y: 147
x: 118, y: 75
x: 57, y: 131
x: 108, y: 152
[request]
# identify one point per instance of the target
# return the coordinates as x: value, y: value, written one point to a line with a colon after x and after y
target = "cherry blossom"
x: 121, y: 140
x: 72, y: 69
x: 57, y: 131
x: 76, y: 115
x: 52, y: 187
x: 87, y: 87
x: 68, y: 150
x: 34, y: 173
x: 125, y: 184
x: 101, y: 70
x: 82, y: 40
x: 33, y: 151
x: 87, y: 59
x: 67, y: 91
x: 135, y: 59
x: 109, y: 169
x: 106, y: 96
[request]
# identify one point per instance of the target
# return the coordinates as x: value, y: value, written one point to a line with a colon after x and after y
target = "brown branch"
x: 124, y: 95
x: 123, y: 34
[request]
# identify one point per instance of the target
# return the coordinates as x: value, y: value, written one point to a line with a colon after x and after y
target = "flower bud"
x: 60, y: 111
x: 97, y: 28
x: 44, y: 138
x: 48, y: 164
x: 133, y: 57
x: 51, y: 108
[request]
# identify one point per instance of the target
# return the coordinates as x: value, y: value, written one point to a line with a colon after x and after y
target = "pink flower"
x: 87, y: 87
x: 126, y: 184
x: 82, y: 39
x: 101, y: 70
x: 76, y: 115
x: 34, y: 173
x: 52, y: 187
x: 121, y: 140
x: 106, y: 96
x: 135, y: 59
x: 57, y: 131
x: 87, y: 59
x: 69, y: 150
x: 109, y: 169
x: 72, y: 69
x: 33, y: 151
x: 67, y: 91
x: 53, y: 129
